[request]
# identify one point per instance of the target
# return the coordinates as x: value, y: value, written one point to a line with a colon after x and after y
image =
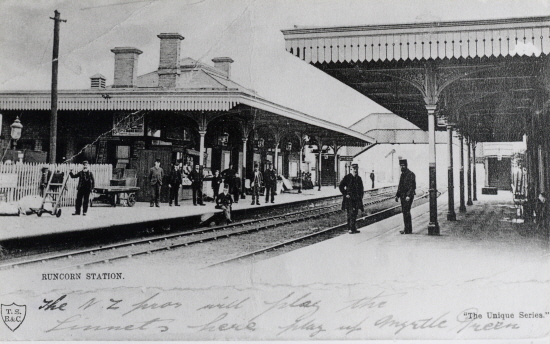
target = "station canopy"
x: 202, y: 93
x: 483, y: 76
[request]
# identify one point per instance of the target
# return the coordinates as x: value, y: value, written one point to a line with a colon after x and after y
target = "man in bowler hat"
x: 174, y: 182
x: 405, y: 193
x: 257, y: 182
x: 196, y: 183
x: 270, y: 181
x: 156, y: 174
x: 352, y: 189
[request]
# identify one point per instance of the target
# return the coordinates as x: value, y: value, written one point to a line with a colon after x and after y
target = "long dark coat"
x: 270, y: 179
x: 195, y: 177
x: 352, y: 186
x: 86, y: 181
x: 407, y: 185
x: 175, y: 177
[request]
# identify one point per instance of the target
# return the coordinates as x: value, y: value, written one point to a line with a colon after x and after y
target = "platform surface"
x: 104, y: 216
x: 376, y: 285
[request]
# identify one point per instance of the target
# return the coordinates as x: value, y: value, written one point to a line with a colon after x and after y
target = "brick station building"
x: 186, y: 112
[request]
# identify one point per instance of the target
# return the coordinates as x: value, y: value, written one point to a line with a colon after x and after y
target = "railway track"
x: 218, y: 232
x: 343, y: 226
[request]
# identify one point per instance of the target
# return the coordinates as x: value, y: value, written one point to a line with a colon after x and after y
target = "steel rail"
x: 341, y: 226
x: 165, y: 237
x: 225, y: 235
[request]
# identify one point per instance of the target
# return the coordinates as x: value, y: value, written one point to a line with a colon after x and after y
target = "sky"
x: 248, y: 31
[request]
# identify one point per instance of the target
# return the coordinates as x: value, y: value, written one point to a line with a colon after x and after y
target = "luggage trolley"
x: 55, y: 189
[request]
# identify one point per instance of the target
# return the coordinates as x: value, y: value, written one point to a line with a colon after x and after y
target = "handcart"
x: 55, y: 189
x: 109, y: 194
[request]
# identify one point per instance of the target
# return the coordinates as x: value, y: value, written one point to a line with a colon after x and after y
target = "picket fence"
x: 28, y: 175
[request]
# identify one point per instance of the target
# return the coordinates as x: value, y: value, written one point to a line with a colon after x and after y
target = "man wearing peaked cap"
x: 405, y: 193
x: 352, y: 189
x: 85, y: 186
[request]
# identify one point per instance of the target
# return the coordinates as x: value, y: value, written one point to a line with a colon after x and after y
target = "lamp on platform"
x: 16, y: 128
x: 289, y: 146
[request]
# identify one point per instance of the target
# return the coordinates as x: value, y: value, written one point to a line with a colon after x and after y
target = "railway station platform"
x: 104, y: 216
x: 488, y: 240
x: 486, y: 277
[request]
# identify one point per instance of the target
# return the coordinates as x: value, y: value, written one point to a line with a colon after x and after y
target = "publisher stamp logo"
x: 13, y: 315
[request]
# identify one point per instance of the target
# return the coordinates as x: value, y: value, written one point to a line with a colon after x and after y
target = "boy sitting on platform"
x: 224, y: 202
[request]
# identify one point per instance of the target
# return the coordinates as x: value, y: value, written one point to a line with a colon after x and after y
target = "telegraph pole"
x: 53, y: 117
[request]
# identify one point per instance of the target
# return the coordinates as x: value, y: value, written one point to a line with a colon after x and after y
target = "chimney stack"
x: 169, y: 67
x: 223, y: 64
x: 126, y: 63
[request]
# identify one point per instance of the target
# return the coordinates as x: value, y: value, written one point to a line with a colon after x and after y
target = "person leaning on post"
x: 224, y: 202
x: 156, y: 174
x: 352, y: 189
x: 405, y: 193
x: 86, y: 184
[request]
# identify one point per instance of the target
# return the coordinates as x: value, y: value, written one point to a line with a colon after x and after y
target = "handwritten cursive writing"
x: 145, y: 325
x: 236, y: 304
x: 143, y: 305
x: 420, y: 324
x: 300, y: 302
x: 218, y: 325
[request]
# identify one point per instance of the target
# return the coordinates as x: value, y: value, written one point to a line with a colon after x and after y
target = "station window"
x: 293, y: 172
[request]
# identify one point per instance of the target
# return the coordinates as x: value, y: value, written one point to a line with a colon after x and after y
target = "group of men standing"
x: 174, y: 180
x: 231, y: 180
x: 352, y: 189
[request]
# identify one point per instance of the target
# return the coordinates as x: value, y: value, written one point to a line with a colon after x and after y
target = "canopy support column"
x: 335, y: 147
x: 474, y: 171
x: 320, y: 147
x: 433, y: 226
x: 451, y: 215
x: 243, y: 167
x: 302, y: 139
x: 246, y: 129
x: 469, y: 175
x: 462, y: 207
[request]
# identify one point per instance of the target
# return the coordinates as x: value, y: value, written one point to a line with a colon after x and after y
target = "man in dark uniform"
x: 156, y: 174
x: 236, y: 187
x: 216, y: 182
x: 405, y: 193
x: 229, y: 177
x: 196, y: 184
x: 86, y: 184
x: 224, y: 202
x: 256, y: 184
x: 372, y: 178
x: 270, y: 180
x: 174, y: 182
x: 352, y: 189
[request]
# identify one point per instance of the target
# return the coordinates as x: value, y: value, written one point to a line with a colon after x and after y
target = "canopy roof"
x: 248, y: 106
x: 482, y: 75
